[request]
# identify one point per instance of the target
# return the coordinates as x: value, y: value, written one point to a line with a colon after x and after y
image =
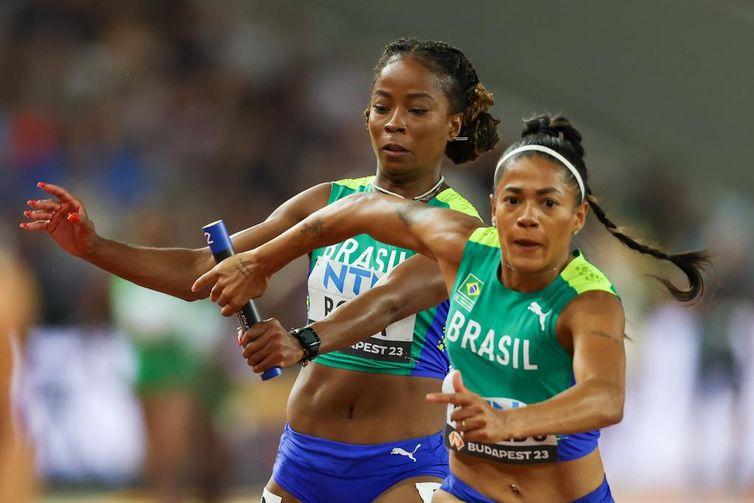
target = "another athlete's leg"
x: 273, y: 493
x: 413, y: 490
x: 441, y: 496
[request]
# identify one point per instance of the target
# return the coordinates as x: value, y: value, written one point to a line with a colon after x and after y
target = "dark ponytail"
x: 463, y: 89
x: 559, y: 134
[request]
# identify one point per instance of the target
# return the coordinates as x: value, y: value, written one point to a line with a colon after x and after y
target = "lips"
x: 527, y: 244
x: 395, y: 148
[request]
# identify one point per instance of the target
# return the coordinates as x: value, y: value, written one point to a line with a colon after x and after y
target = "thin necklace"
x: 416, y: 198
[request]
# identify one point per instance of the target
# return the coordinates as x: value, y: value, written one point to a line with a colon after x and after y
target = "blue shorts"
x: 465, y: 492
x: 317, y: 470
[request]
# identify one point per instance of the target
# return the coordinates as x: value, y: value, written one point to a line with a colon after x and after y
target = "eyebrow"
x: 418, y: 95
x: 540, y: 192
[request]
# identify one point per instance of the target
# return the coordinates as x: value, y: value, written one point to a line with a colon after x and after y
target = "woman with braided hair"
x: 534, y: 328
x: 358, y: 426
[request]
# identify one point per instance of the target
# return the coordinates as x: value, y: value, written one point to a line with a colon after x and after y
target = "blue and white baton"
x: 221, y: 246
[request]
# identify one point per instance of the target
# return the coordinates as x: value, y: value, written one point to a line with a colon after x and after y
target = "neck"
x: 409, y: 184
x: 529, y: 282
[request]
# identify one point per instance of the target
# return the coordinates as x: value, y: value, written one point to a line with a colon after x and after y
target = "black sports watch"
x: 309, y: 340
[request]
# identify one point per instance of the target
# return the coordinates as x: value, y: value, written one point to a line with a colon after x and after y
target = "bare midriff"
x: 545, y: 482
x: 363, y: 408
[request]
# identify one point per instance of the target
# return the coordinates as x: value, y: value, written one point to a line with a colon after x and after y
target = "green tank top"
x: 504, y: 344
x: 412, y: 346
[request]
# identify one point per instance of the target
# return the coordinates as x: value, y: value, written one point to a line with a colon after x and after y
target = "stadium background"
x: 163, y: 116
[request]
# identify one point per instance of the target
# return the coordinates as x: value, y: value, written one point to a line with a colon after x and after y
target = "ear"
x: 580, y: 216
x: 455, y: 122
x: 492, y: 209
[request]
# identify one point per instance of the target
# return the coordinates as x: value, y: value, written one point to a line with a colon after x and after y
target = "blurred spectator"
x: 17, y: 298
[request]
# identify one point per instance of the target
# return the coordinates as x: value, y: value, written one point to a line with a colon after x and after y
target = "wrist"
x: 309, y: 341
x: 93, y: 247
x: 264, y: 260
x: 508, y: 424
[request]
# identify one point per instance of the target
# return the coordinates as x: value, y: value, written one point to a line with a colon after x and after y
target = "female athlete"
x: 534, y: 328
x: 355, y: 431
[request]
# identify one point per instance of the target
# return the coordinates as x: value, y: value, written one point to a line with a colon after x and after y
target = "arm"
x: 594, y: 323
x: 168, y: 270
x: 411, y: 287
x: 435, y: 232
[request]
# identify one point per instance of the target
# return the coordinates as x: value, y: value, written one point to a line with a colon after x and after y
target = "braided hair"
x: 461, y: 86
x: 558, y: 134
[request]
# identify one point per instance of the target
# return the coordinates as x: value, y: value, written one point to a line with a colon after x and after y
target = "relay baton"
x: 222, y: 247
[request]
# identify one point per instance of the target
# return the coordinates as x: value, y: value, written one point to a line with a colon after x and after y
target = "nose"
x: 528, y: 218
x: 396, y: 123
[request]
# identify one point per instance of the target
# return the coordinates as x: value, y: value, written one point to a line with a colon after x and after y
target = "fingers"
x: 458, y: 383
x: 39, y: 225
x: 229, y: 308
x: 38, y: 215
x: 217, y: 288
x: 255, y: 332
x: 58, y: 192
x: 269, y: 362
x: 205, y: 280
x: 462, y: 413
x: 459, y: 399
x: 44, y: 204
x: 468, y: 425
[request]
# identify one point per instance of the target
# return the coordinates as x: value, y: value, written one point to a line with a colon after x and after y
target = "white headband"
x: 548, y: 151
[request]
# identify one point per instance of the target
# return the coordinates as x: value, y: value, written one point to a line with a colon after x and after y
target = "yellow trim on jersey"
x: 456, y: 201
x: 582, y: 276
x: 355, y: 183
x: 486, y: 236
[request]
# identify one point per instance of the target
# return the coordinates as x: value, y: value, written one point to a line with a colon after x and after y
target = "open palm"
x: 63, y: 217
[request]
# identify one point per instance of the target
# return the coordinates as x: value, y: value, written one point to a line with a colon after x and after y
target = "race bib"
x: 532, y: 450
x: 332, y: 284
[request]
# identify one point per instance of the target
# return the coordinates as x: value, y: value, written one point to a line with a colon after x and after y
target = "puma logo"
x: 402, y: 452
x: 535, y: 308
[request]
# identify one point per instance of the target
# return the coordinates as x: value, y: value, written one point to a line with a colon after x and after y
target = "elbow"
x: 388, y: 305
x: 611, y: 410
x: 393, y: 310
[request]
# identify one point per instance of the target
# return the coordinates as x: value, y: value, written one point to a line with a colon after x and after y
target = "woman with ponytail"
x: 358, y: 426
x: 535, y: 330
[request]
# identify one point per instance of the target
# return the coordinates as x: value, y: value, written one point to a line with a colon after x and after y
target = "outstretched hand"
x: 63, y: 217
x: 234, y: 282
x: 474, y: 418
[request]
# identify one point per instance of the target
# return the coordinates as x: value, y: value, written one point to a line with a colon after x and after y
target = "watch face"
x: 309, y: 338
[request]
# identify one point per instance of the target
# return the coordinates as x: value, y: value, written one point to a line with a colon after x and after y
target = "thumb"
x: 458, y: 385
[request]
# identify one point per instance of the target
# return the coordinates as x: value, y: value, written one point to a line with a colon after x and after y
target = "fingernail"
x: 30, y: 202
x: 73, y: 218
x: 23, y: 226
x: 27, y: 213
x: 40, y: 184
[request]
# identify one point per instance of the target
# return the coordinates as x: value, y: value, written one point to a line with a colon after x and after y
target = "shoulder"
x: 582, y: 276
x: 485, y: 236
x: 353, y: 183
x: 451, y: 199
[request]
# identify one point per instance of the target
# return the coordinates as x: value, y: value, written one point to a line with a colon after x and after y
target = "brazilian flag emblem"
x: 468, y: 292
x: 473, y: 289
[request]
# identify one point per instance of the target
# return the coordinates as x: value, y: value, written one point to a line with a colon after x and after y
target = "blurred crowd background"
x: 165, y: 115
